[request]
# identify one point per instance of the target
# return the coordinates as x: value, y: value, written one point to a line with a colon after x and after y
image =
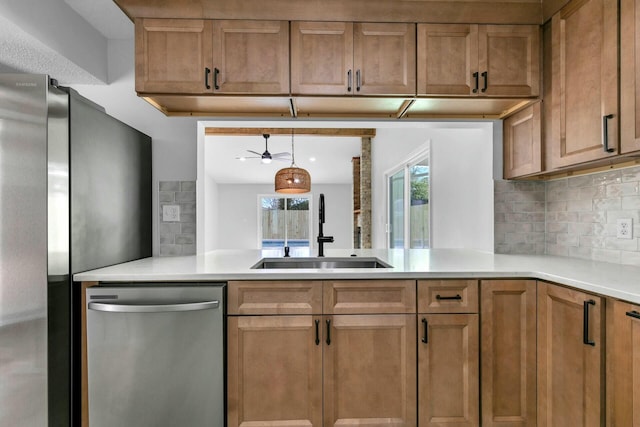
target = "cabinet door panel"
x: 370, y: 371
x: 569, y: 371
x: 447, y: 296
x: 447, y: 59
x: 448, y: 374
x: 629, y: 75
x: 508, y: 335
x: 584, y: 81
x: 321, y: 58
x: 522, y: 135
x: 369, y: 296
x: 272, y: 297
x: 384, y: 59
x: 274, y: 371
x: 172, y: 54
x: 510, y: 56
x: 252, y: 56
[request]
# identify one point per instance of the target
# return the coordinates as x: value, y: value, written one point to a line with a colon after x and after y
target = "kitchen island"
x: 441, y: 336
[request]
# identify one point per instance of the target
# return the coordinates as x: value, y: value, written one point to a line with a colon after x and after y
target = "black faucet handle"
x: 286, y: 252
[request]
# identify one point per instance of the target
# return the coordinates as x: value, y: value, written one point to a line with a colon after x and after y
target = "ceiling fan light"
x: 265, y: 160
x: 292, y: 180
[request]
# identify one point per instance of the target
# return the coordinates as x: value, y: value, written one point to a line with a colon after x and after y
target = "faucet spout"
x: 322, y: 239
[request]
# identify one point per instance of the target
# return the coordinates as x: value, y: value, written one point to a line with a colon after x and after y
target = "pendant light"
x: 293, y: 180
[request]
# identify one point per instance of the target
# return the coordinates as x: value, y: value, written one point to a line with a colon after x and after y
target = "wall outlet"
x: 171, y: 213
x: 625, y: 228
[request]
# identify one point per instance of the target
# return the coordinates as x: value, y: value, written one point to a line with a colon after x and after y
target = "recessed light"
x: 242, y: 159
x: 312, y: 159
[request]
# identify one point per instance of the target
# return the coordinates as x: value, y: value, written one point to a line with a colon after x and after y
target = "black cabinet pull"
x: 425, y: 333
x: 207, y: 71
x: 484, y: 76
x: 605, y: 133
x: 633, y: 314
x: 328, y: 331
x: 216, y: 72
x: 585, y: 325
x: 457, y: 297
x: 349, y: 81
x: 358, y: 81
x: 475, y: 76
x: 317, y: 332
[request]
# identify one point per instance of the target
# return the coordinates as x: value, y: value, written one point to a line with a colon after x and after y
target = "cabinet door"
x: 274, y: 374
x: 629, y: 75
x: 508, y: 336
x: 369, y: 296
x: 448, y: 377
x: 370, y: 370
x: 509, y: 60
x: 522, y: 135
x: 626, y: 365
x: 447, y: 59
x: 584, y: 82
x: 570, y: 358
x: 172, y: 55
x: 322, y: 58
x: 273, y: 297
x: 384, y: 59
x: 448, y: 296
x: 251, y: 57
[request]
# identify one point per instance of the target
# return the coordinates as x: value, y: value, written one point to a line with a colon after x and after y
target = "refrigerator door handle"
x: 155, y: 308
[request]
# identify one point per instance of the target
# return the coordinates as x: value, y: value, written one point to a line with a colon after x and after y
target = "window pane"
x: 298, y: 221
x: 272, y: 222
x: 396, y: 210
x: 419, y: 209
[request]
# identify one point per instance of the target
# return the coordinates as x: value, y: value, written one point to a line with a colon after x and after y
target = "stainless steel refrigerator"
x: 75, y: 194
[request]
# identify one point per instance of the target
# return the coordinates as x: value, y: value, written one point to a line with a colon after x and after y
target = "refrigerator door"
x: 23, y: 250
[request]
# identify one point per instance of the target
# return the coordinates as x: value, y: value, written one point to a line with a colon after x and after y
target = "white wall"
x: 237, y: 212
x: 461, y: 193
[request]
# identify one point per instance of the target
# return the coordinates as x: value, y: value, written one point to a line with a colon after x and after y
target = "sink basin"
x: 324, y: 262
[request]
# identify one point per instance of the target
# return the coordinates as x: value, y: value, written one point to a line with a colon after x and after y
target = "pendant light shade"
x: 292, y: 180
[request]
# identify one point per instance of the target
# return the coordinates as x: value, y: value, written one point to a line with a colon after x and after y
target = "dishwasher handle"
x: 153, y: 308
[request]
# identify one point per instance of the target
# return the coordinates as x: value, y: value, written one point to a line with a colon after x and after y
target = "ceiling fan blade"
x: 247, y: 157
x: 255, y: 152
x: 283, y: 154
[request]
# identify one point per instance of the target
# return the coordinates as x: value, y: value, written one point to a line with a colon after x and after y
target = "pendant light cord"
x: 293, y: 153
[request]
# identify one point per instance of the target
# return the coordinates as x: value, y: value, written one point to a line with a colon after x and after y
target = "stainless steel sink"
x: 322, y: 263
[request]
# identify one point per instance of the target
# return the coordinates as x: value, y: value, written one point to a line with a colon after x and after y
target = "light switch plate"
x: 171, y: 213
x: 624, y: 229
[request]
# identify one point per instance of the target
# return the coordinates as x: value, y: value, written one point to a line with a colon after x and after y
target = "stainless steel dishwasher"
x: 155, y: 355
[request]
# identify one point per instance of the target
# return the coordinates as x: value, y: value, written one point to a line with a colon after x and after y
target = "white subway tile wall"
x: 178, y: 237
x: 580, y: 216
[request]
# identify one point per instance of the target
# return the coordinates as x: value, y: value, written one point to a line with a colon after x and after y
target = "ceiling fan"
x: 267, y: 157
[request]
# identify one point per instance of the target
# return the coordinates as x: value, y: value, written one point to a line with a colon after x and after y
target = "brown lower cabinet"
x: 625, y: 365
x: 570, y: 357
x: 508, y: 336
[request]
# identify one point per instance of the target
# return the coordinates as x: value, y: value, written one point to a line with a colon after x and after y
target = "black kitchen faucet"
x: 322, y: 239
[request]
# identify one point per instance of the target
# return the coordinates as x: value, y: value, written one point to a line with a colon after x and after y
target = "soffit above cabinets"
x: 447, y: 11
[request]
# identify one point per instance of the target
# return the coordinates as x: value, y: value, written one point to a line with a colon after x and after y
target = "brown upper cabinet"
x: 584, y: 84
x: 522, y: 138
x: 344, y: 58
x: 204, y: 57
x: 479, y: 60
x: 629, y: 76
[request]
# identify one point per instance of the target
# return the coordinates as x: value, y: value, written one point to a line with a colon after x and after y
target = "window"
x: 284, y: 221
x: 408, y: 204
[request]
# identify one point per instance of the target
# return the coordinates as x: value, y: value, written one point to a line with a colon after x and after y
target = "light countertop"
x: 614, y: 280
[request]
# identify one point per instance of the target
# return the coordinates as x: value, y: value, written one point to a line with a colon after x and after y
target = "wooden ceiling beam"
x: 328, y: 132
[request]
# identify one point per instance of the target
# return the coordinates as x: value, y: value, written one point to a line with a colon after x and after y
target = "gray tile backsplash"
x: 580, y: 216
x: 177, y: 237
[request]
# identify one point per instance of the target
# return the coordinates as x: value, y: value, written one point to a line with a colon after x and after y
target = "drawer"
x: 447, y: 296
x: 269, y: 297
x: 369, y: 296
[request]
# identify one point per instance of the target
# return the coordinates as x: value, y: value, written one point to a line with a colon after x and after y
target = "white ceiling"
x: 332, y: 165
x: 105, y: 16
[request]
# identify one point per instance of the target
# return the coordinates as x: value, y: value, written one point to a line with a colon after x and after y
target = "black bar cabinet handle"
x: 358, y: 81
x: 207, y: 71
x: 605, y: 133
x: 216, y: 72
x: 457, y: 297
x: 328, y: 331
x: 633, y: 314
x: 475, y: 76
x: 317, y: 332
x: 585, y: 326
x: 425, y: 333
x: 484, y: 76
x: 349, y: 81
